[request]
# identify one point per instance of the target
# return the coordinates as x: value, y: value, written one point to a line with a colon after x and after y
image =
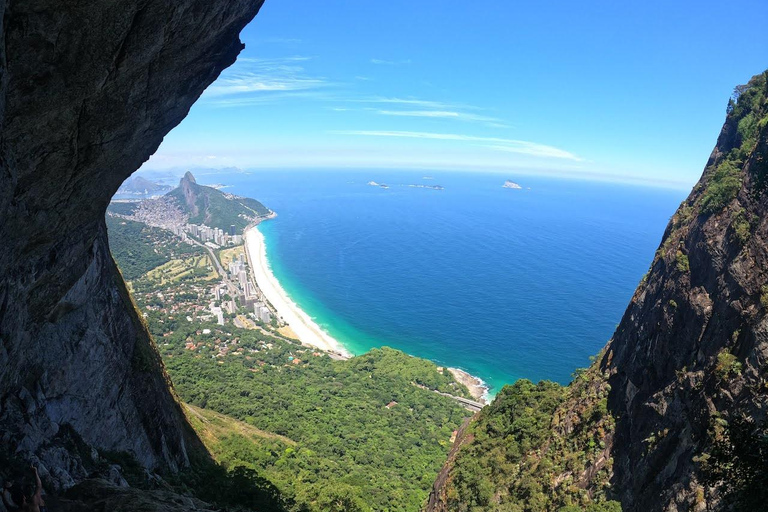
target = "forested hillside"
x: 140, y: 248
x: 363, y: 434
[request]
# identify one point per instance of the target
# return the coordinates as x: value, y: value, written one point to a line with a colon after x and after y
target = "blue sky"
x: 615, y: 90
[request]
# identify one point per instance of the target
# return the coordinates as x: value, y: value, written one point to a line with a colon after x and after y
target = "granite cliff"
x: 214, y: 208
x: 688, y: 360
x: 672, y: 414
x: 88, y: 90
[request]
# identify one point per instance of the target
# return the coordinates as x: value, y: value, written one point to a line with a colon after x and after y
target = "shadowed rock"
x: 88, y: 91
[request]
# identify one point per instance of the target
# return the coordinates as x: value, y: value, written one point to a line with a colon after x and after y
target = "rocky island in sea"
x: 432, y: 187
x: 511, y: 184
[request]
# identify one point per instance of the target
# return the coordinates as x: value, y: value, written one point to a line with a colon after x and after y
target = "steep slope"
x: 80, y: 111
x: 206, y: 205
x: 672, y: 415
x: 689, y: 356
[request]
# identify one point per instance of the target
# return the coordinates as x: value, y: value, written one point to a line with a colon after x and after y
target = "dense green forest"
x: 335, y: 411
x: 358, y: 434
x: 528, y: 450
x: 139, y: 248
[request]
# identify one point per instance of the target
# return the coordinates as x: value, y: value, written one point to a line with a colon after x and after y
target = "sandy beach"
x: 307, y: 331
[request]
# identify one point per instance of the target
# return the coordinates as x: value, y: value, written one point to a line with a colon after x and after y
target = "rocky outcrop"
x: 101, y: 496
x: 190, y: 194
x: 689, y: 356
x: 212, y: 207
x: 88, y: 90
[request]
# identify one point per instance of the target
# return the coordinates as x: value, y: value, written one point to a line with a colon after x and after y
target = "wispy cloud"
x: 256, y: 76
x: 268, y: 97
x: 420, y: 108
x: 412, y: 102
x: 383, y: 62
x: 494, y: 143
x: 444, y: 114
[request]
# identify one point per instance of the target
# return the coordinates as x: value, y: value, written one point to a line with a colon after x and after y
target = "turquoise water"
x: 505, y: 284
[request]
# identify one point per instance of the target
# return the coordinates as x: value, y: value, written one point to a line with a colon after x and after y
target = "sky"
x: 623, y: 91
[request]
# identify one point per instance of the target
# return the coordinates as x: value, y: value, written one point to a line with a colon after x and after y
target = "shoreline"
x: 476, y: 386
x: 306, y: 329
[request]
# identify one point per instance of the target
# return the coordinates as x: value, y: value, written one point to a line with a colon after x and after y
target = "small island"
x: 511, y: 184
x: 433, y: 187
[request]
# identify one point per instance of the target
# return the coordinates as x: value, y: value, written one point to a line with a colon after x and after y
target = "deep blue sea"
x: 505, y: 284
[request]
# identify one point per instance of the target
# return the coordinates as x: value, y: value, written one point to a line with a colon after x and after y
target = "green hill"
x: 206, y: 205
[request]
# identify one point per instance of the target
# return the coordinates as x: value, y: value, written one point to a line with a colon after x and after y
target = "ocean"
x: 502, y: 283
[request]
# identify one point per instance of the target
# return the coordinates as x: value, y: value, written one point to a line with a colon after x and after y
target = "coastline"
x: 306, y: 329
x: 476, y: 386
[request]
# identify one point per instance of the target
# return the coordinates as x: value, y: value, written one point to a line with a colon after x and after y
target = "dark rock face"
x: 698, y: 308
x: 87, y: 92
x: 101, y: 496
x: 190, y: 191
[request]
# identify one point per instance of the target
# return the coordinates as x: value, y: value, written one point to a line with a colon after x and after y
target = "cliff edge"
x: 688, y: 360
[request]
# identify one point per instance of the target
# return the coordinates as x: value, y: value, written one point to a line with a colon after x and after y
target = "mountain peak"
x: 188, y: 178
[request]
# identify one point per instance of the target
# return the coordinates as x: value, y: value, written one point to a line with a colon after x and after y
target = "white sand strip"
x: 308, y: 331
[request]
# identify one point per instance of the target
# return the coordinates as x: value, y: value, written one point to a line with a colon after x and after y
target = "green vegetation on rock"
x: 528, y: 450
x: 682, y: 262
x: 741, y: 228
x: 722, y: 187
x: 727, y: 364
x: 748, y: 112
x: 737, y: 464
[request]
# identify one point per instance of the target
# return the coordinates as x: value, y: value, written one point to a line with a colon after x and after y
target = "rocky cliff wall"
x: 88, y: 90
x: 673, y: 416
x: 689, y: 356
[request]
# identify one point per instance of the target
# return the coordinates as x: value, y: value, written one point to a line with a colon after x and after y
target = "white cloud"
x: 445, y: 114
x: 494, y: 143
x: 383, y: 62
x: 257, y: 76
x: 268, y: 97
x: 429, y: 109
x: 407, y: 101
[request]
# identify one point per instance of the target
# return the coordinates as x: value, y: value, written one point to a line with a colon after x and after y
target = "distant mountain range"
x: 142, y: 187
